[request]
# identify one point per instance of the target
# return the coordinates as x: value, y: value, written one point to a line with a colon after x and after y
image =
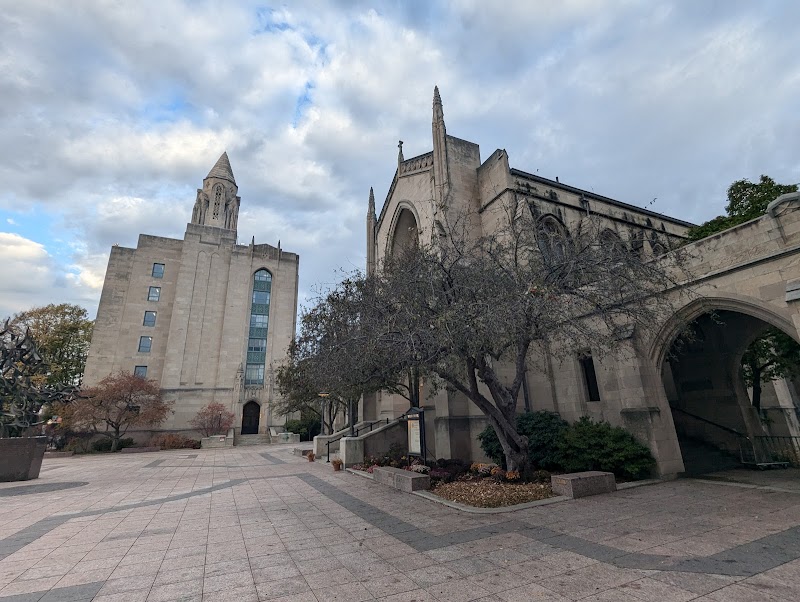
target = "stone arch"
x: 251, y: 417
x: 755, y: 308
x: 712, y: 410
x: 404, y: 228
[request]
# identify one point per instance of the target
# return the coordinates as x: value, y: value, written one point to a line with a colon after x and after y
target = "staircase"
x: 259, y: 439
x: 700, y: 457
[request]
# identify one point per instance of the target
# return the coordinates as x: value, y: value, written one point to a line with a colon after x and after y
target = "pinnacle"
x: 371, y: 200
x: 222, y: 169
x: 437, y: 100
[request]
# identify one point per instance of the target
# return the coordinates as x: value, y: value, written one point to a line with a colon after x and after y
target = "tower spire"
x: 217, y: 204
x: 371, y: 226
x: 441, y: 168
x: 438, y: 111
x: 222, y: 169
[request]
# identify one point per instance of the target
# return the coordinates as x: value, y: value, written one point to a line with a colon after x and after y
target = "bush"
x: 588, y: 445
x: 80, y: 444
x: 555, y: 445
x: 544, y: 430
x: 307, y: 427
x: 104, y: 444
x: 213, y: 419
x: 174, y: 441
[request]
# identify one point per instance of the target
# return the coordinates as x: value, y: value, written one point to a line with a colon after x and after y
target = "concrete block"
x: 404, y: 480
x: 582, y: 484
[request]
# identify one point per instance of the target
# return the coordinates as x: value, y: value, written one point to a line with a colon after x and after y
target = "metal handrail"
x: 707, y: 421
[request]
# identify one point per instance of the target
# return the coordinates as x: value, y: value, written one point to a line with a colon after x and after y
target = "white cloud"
x: 113, y: 112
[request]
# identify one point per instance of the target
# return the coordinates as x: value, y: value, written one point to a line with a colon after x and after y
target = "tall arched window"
x: 552, y: 240
x: 217, y: 200
x: 259, y: 325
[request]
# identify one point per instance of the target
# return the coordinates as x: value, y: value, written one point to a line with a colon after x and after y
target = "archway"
x: 251, y: 413
x: 712, y: 407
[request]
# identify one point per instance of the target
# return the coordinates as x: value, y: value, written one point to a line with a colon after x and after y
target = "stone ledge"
x: 582, y: 484
x: 58, y: 454
x: 404, y: 480
x: 138, y: 450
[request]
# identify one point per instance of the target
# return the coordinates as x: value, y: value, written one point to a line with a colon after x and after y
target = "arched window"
x: 217, y: 200
x: 259, y: 325
x: 658, y: 249
x: 552, y: 240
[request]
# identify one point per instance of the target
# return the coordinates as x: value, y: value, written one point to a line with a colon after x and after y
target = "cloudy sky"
x: 111, y: 114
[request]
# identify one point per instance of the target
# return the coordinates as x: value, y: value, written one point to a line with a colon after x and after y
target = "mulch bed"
x: 488, y: 493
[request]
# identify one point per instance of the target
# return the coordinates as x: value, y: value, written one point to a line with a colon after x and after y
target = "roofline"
x: 599, y: 197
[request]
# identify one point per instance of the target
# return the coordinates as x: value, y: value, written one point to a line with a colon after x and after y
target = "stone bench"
x: 582, y: 484
x: 404, y: 480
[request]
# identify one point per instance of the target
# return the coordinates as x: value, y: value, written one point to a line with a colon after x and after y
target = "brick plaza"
x: 259, y: 523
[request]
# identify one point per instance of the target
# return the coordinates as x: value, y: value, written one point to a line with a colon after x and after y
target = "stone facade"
x: 207, y: 318
x: 752, y: 270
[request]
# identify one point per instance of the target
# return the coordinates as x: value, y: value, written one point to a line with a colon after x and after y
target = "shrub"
x: 307, y: 427
x: 174, y: 441
x: 544, y: 430
x: 588, y: 445
x: 79, y: 444
x: 213, y: 419
x: 104, y: 444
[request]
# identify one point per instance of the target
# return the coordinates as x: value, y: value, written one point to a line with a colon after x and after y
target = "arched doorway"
x: 715, y: 409
x: 251, y: 413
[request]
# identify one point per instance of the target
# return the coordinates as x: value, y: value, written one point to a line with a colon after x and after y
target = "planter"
x: 337, y: 465
x: 21, y: 458
x: 310, y: 456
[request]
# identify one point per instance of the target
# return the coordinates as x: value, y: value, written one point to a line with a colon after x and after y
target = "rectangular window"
x: 140, y: 371
x: 590, y: 377
x: 158, y: 270
x: 257, y: 345
x: 254, y: 374
x: 261, y: 297
x: 154, y: 294
x: 258, y: 321
x: 149, y: 318
x: 144, y: 344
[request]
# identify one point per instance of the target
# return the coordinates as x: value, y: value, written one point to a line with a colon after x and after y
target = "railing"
x: 355, y: 433
x: 707, y: 421
x: 780, y: 448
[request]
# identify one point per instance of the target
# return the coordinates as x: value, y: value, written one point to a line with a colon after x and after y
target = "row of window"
x: 145, y: 342
x: 259, y: 324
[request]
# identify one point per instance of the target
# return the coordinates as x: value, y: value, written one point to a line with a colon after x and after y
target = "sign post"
x: 415, y: 420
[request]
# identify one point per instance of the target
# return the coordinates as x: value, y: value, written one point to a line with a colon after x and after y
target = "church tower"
x: 217, y: 204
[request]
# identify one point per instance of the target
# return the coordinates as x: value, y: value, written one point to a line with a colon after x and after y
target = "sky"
x: 112, y: 113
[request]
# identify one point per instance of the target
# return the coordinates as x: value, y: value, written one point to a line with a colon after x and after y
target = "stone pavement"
x: 257, y: 523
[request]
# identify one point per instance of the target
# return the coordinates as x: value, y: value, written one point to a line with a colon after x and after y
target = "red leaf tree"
x: 213, y: 419
x: 118, y: 402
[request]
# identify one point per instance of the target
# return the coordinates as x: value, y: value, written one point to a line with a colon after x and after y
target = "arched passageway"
x: 251, y: 413
x: 712, y: 406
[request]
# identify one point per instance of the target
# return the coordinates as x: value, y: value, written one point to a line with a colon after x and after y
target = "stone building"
x: 751, y: 272
x: 207, y: 318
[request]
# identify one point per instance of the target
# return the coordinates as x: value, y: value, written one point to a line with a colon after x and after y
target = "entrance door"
x: 250, y: 415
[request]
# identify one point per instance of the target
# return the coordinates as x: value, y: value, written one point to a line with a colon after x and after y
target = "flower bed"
x: 484, y: 492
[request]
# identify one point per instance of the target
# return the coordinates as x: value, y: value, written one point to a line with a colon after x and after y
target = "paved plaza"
x: 257, y: 523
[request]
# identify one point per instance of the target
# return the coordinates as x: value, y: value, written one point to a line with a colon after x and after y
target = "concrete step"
x: 260, y: 439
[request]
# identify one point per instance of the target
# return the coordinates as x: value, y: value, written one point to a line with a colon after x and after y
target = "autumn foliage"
x: 213, y: 419
x: 118, y: 402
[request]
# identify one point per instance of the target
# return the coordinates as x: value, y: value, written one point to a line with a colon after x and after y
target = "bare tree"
x: 118, y: 402
x: 213, y: 419
x: 469, y: 310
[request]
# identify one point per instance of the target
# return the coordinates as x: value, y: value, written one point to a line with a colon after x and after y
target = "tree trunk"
x: 756, y: 370
x: 115, y: 440
x: 516, y: 454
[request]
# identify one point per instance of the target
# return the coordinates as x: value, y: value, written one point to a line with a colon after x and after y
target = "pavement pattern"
x: 257, y: 523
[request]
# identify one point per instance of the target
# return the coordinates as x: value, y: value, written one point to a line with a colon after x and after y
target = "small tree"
x: 213, y: 419
x: 62, y: 334
x: 118, y: 402
x: 771, y: 356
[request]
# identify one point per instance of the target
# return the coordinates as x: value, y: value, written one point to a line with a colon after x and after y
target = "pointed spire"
x: 222, y: 169
x: 438, y: 112
x: 371, y: 210
x: 400, y: 158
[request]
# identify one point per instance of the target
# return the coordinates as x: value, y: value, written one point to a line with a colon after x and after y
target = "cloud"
x: 31, y: 277
x: 114, y: 112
